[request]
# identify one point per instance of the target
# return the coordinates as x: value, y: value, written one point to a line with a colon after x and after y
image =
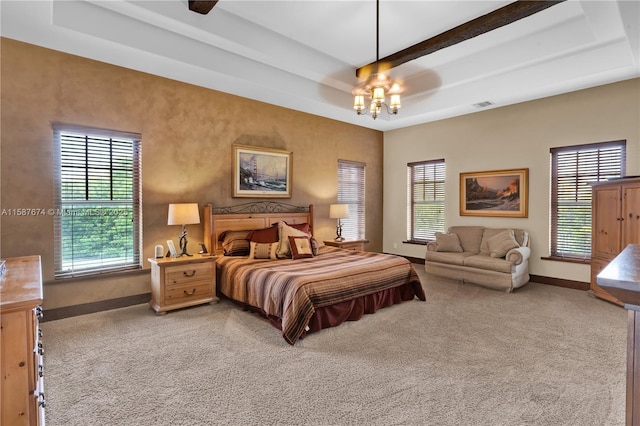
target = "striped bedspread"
x: 292, y: 289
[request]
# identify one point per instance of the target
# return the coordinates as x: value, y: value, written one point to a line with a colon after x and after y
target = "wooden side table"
x: 181, y: 282
x: 355, y: 245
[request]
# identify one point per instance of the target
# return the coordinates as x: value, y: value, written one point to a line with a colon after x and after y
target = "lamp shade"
x: 183, y: 214
x: 338, y: 211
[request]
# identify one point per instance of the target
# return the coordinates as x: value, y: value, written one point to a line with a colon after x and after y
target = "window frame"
x: 352, y: 191
x: 438, y: 190
x: 579, y: 180
x: 124, y: 165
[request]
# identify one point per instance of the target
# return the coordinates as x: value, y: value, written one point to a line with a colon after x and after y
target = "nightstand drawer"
x: 185, y: 292
x: 188, y: 273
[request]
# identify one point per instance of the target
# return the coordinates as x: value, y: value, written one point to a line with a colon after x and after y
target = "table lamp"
x: 183, y: 214
x: 339, y: 211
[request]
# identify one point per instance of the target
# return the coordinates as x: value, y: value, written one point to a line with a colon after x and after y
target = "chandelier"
x: 377, y: 86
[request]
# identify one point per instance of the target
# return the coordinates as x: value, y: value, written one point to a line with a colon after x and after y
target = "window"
x: 426, y: 198
x: 573, y: 168
x: 351, y: 192
x: 97, y: 201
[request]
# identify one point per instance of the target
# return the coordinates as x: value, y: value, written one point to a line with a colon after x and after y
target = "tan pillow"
x: 448, y: 242
x: 263, y: 250
x: 285, y: 231
x: 501, y: 243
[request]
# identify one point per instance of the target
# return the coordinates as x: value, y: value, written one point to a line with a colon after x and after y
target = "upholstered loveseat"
x: 494, y: 258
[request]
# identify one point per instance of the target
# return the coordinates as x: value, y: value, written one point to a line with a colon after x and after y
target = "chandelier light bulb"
x: 395, y: 103
x: 358, y: 104
x: 378, y: 94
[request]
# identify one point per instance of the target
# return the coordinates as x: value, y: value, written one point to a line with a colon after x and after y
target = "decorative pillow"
x: 315, y: 246
x: 304, y: 227
x: 285, y: 231
x: 235, y: 243
x: 448, y: 242
x: 501, y: 243
x: 300, y: 247
x: 263, y: 250
x: 266, y: 235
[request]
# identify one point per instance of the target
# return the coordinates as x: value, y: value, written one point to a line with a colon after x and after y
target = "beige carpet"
x: 468, y: 356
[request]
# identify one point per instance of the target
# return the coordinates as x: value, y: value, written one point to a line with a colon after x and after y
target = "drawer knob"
x: 191, y: 293
x: 186, y: 274
x: 40, y: 349
x: 40, y: 371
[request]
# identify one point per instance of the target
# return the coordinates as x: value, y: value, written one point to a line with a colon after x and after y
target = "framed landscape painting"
x: 501, y: 193
x: 261, y: 172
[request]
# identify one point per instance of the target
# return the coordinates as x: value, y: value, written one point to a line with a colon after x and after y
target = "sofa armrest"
x: 518, y: 255
x: 431, y: 246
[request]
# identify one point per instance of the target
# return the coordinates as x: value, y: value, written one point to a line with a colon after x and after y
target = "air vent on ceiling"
x: 483, y: 104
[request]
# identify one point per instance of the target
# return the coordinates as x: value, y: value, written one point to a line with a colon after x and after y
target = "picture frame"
x: 172, y: 248
x: 497, y: 193
x: 261, y: 172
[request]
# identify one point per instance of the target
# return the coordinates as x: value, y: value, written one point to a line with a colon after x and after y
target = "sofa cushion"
x: 499, y: 244
x: 447, y: 257
x: 521, y: 236
x: 470, y: 237
x: 482, y: 261
x: 448, y: 242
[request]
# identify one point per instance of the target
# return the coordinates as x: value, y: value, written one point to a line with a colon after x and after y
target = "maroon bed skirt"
x: 350, y: 310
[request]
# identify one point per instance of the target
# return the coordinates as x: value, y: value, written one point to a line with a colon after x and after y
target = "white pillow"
x: 284, y: 232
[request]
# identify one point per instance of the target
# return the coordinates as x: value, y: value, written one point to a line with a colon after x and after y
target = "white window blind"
x: 351, y: 190
x: 426, y: 187
x: 573, y: 169
x: 97, y: 201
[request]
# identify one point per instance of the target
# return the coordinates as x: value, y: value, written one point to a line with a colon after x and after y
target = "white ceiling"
x: 303, y: 54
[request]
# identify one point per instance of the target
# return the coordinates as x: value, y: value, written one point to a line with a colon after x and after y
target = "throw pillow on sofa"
x: 501, y: 243
x: 448, y: 242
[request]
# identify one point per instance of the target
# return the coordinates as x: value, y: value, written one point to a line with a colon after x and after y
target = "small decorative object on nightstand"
x: 180, y: 282
x: 338, y: 211
x: 355, y: 245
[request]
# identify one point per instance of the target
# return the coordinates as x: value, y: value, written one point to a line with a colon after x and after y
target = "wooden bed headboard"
x: 257, y: 215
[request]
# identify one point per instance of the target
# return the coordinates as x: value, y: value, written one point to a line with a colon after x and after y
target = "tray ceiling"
x: 303, y: 54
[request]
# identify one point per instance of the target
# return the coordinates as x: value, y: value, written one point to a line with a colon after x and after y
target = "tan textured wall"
x: 515, y: 136
x: 187, y: 134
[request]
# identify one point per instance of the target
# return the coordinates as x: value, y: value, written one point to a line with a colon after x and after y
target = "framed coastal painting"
x: 261, y: 172
x: 501, y: 193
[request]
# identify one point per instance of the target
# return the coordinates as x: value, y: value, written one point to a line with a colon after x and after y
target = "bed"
x: 302, y: 293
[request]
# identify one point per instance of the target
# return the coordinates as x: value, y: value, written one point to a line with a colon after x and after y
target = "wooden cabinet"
x: 356, y: 245
x: 180, y: 282
x: 20, y: 311
x: 615, y: 225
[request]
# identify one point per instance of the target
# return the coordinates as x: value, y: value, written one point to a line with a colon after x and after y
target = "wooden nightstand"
x: 356, y: 245
x: 183, y: 281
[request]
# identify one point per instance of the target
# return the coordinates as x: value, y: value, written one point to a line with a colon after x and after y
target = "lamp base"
x: 339, y: 232
x: 183, y: 245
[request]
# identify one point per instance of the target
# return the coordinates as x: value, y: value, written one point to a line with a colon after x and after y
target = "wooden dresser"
x: 615, y: 225
x: 180, y: 282
x: 20, y: 311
